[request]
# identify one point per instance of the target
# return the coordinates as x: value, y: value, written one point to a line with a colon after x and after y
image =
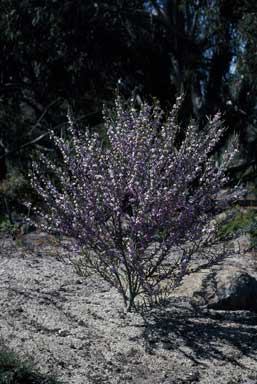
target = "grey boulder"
x: 239, y: 292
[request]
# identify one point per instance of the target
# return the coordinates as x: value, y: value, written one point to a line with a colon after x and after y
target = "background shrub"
x: 240, y: 222
x: 14, y: 370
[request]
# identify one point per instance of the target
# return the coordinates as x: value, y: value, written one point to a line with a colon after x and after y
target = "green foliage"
x: 6, y: 227
x: 13, y: 370
x: 253, y: 232
x: 15, y: 190
x: 13, y: 185
x: 241, y: 222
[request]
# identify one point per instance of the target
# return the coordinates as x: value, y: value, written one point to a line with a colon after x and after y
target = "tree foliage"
x: 57, y: 53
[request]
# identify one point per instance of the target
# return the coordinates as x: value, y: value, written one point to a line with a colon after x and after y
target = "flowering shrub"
x: 127, y: 203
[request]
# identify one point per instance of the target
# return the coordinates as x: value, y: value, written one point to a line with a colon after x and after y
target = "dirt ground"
x: 78, y: 329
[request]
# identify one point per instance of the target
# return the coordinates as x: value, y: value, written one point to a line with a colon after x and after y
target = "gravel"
x: 77, y: 328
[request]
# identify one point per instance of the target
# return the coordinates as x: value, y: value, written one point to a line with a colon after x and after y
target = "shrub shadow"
x: 201, y: 334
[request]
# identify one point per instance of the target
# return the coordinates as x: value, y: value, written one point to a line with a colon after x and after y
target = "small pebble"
x: 63, y: 332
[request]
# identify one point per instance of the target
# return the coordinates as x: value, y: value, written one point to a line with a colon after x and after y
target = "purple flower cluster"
x: 128, y: 202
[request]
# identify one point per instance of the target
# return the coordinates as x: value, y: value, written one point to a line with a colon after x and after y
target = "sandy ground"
x: 78, y: 329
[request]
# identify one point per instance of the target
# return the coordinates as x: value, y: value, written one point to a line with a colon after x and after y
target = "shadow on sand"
x: 202, y: 335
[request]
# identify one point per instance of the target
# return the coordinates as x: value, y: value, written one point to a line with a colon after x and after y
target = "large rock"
x: 237, y: 292
x: 230, y: 284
